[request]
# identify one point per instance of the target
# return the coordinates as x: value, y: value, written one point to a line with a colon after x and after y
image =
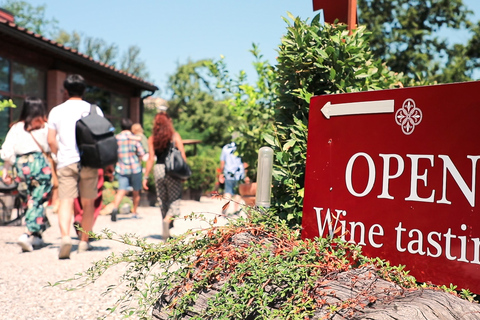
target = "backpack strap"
x: 93, y: 108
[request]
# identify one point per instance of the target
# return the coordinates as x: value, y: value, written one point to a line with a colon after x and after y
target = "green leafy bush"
x: 314, y: 59
x: 193, y: 107
x: 108, y: 194
x: 203, y: 173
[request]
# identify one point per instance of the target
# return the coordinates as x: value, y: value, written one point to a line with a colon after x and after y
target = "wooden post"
x: 352, y: 15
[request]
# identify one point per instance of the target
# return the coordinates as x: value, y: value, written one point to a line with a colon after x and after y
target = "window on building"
x: 4, y: 75
x: 114, y: 106
x: 119, y: 109
x: 17, y: 81
x: 28, y: 81
x: 4, y: 122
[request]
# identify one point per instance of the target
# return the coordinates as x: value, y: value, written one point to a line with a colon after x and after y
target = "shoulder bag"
x: 50, y: 161
x: 175, y: 166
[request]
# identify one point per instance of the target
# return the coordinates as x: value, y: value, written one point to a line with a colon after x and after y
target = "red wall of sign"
x: 332, y: 9
x: 399, y: 169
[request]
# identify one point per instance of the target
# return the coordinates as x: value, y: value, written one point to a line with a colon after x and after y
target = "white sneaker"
x: 84, y: 246
x: 25, y: 242
x: 65, y: 247
x: 166, y: 230
x: 37, y: 242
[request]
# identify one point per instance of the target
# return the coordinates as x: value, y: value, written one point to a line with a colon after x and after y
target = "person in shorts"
x: 129, y: 167
x: 73, y: 179
x: 233, y: 171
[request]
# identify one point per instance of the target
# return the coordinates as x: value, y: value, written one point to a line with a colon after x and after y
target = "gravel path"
x: 24, y: 276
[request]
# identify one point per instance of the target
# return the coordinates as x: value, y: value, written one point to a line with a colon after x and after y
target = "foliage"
x: 72, y: 40
x: 203, y: 173
x: 314, y: 59
x: 148, y: 118
x: 251, y: 106
x: 108, y: 53
x: 289, y: 143
x: 467, y: 295
x: 7, y: 103
x: 31, y: 17
x: 196, y: 113
x: 470, y: 54
x: 131, y: 63
x: 97, y: 48
x: 251, y: 264
x: 108, y: 194
x: 407, y: 35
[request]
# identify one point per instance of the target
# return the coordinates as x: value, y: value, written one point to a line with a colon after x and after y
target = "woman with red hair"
x: 169, y: 189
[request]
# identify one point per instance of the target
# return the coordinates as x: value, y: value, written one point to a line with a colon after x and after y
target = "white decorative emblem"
x: 408, y: 116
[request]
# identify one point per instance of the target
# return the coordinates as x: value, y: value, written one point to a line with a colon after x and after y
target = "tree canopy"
x: 407, y: 36
x: 196, y: 112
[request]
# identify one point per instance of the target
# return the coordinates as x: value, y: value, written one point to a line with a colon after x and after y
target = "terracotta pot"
x: 248, y: 191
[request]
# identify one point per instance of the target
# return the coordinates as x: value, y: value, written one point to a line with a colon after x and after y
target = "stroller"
x: 12, y: 204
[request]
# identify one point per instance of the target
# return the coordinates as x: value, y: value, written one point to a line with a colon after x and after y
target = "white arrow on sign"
x: 365, y: 107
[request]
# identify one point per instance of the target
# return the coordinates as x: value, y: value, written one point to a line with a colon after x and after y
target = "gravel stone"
x: 24, y: 277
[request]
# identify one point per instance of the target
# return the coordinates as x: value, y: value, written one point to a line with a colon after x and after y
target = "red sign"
x: 396, y: 171
x: 332, y: 9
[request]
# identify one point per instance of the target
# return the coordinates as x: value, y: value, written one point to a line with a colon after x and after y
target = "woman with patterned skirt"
x: 23, y: 149
x: 169, y: 189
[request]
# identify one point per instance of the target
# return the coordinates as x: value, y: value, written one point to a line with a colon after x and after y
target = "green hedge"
x: 314, y: 59
x: 203, y: 173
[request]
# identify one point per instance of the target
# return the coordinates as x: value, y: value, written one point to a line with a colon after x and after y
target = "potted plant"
x: 252, y: 106
x: 202, y: 179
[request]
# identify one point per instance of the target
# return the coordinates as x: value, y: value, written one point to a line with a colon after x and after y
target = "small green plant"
x: 7, y: 103
x: 467, y: 295
x: 452, y: 288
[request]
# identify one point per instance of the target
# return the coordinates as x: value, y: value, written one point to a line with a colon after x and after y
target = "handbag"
x: 53, y: 165
x: 175, y: 165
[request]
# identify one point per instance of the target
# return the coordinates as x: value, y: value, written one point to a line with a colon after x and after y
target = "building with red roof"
x: 32, y: 65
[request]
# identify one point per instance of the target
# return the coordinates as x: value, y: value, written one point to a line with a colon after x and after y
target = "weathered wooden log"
x: 385, y: 300
x: 367, y: 294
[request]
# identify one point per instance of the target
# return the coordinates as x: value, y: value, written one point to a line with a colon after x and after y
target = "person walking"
x: 138, y: 131
x: 129, y: 167
x: 169, y: 189
x: 73, y: 179
x: 24, y: 148
x: 77, y: 205
x: 233, y: 171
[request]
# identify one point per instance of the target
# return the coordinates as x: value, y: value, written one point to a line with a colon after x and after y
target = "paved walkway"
x: 24, y: 276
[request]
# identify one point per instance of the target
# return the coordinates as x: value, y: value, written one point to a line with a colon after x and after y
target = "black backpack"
x: 96, y: 140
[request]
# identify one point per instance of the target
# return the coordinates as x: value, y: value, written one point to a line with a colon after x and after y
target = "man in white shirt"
x: 72, y: 179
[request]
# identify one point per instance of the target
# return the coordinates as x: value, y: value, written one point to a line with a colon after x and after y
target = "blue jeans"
x: 231, y: 186
x: 133, y: 180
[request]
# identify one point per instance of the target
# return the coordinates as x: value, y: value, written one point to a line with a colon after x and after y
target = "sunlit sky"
x: 172, y: 32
